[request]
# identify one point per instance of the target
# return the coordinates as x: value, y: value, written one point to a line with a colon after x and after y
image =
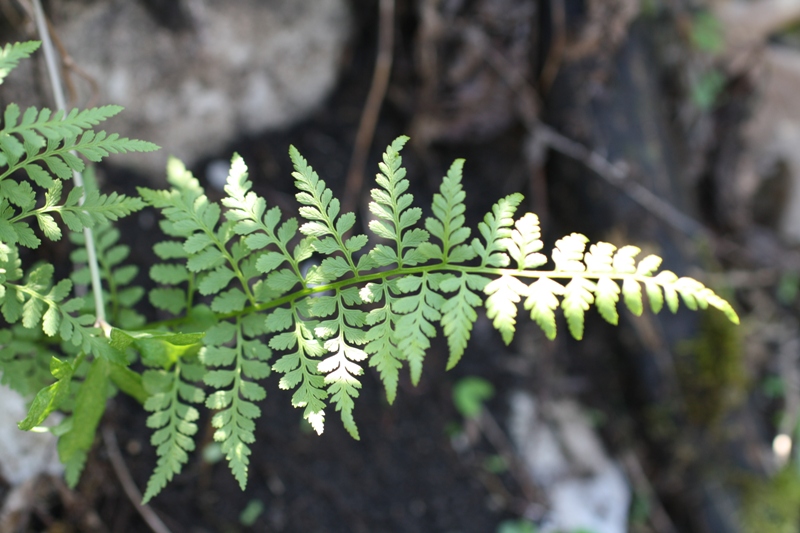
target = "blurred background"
x: 673, y: 125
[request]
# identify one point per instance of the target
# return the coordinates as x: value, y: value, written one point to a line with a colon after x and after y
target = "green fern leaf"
x: 18, y: 193
x: 90, y: 403
x: 632, y: 292
x: 247, y: 262
x: 448, y: 226
x: 322, y: 211
x: 234, y: 421
x: 10, y: 56
x: 51, y: 397
x: 391, y: 204
x: 606, y: 296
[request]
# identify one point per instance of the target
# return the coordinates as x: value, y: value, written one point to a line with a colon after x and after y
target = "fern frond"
x: 12, y: 53
x: 193, y: 217
x: 50, y: 398
x: 383, y: 304
x: 342, y: 334
x: 447, y: 225
x: 300, y: 365
x: 39, y: 301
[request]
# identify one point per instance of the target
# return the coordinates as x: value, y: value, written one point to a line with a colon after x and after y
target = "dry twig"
x: 128, y: 485
x: 372, y: 107
x: 659, y: 519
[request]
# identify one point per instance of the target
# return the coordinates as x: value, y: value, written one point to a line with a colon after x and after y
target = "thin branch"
x: 58, y: 95
x: 517, y: 468
x: 372, y: 107
x: 659, y: 519
x: 618, y: 175
x: 128, y: 485
x: 555, y: 54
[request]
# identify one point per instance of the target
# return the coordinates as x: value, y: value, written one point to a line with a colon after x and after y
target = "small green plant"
x: 252, y: 292
x: 517, y: 526
x: 469, y: 395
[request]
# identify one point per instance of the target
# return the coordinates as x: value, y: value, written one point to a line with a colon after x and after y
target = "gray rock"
x: 239, y: 67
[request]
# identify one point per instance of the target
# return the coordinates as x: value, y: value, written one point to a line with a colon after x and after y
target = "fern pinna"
x: 251, y: 292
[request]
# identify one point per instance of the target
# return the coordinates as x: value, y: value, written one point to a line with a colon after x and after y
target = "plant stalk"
x: 61, y: 104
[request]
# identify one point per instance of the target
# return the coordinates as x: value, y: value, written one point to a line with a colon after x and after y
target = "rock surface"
x: 229, y: 69
x: 564, y: 455
x: 23, y: 454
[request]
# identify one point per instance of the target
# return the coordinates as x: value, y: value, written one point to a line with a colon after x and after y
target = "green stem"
x: 405, y: 271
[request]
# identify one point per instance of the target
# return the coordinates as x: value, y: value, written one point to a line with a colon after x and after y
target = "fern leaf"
x: 52, y: 139
x: 606, y: 296
x: 51, y: 397
x: 10, y: 56
x: 395, y: 216
x: 247, y: 262
x: 90, y: 403
x: 448, y: 225
x: 120, y: 296
x: 342, y: 334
